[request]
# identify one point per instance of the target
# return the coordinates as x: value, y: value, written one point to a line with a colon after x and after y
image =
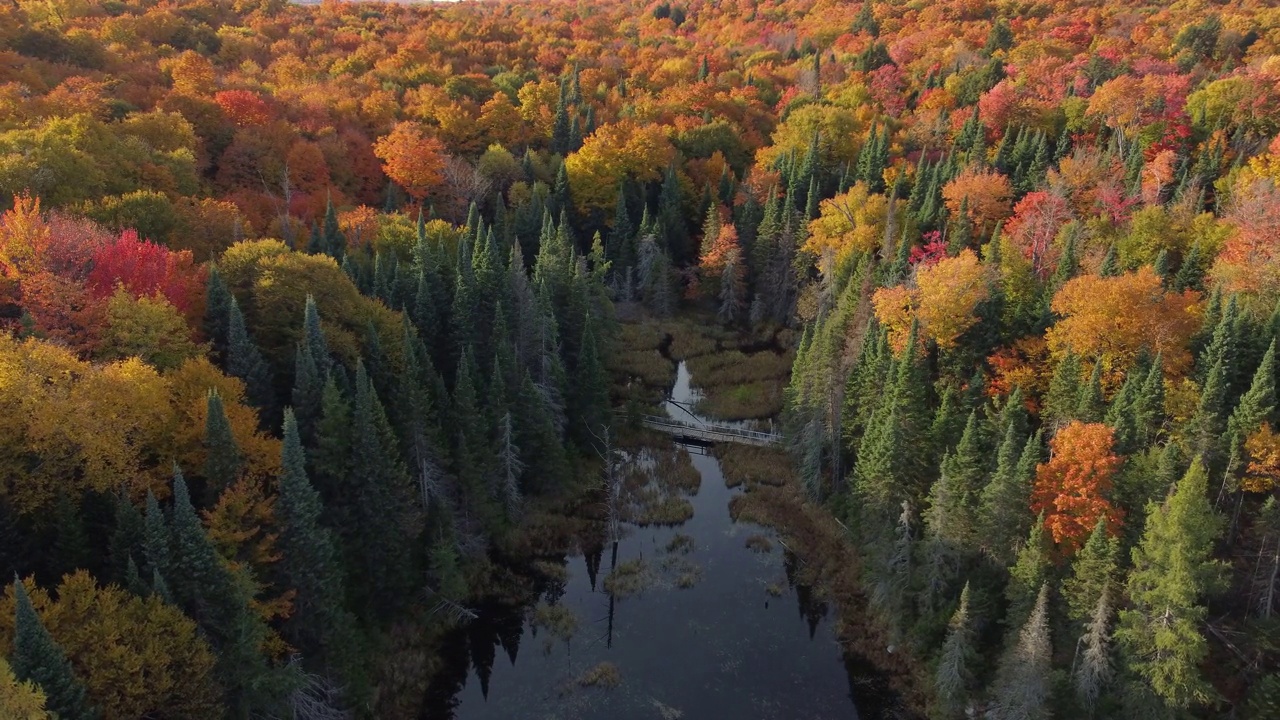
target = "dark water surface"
x: 742, y: 641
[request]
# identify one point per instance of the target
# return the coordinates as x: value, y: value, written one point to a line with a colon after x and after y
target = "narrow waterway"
x: 717, y: 629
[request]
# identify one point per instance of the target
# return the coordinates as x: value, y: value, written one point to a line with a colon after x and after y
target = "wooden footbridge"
x: 709, y: 433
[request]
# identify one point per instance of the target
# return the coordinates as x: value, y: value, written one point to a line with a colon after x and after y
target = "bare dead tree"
x: 317, y: 698
x: 464, y: 183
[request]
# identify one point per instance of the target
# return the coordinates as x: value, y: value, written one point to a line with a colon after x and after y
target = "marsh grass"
x: 605, y: 675
x: 759, y: 544
x: 753, y: 465
x: 558, y: 620
x: 741, y: 386
x: 629, y: 578
x: 657, y: 482
x: 681, y: 543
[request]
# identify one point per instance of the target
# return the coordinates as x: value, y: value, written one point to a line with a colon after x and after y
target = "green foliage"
x: 37, y: 658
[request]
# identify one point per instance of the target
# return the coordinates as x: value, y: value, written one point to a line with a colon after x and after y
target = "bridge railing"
x: 711, y: 429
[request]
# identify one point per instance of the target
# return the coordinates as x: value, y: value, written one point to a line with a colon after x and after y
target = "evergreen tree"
x: 1092, y: 573
x: 335, y: 243
x: 675, y: 234
x: 217, y: 311
x: 207, y: 591
x: 1028, y: 574
x: 319, y: 626
x: 1110, y: 266
x: 560, y: 129
x: 1256, y: 405
x: 245, y: 361
x: 1207, y: 425
x: 1063, y: 400
x: 158, y: 548
x: 1173, y: 572
x: 37, y: 658
x: 590, y: 411
x: 1022, y: 685
x: 308, y: 391
x: 1091, y: 406
x: 375, y: 508
x: 1148, y: 405
x: 128, y: 536
x: 313, y: 336
x: 536, y: 434
x: 1003, y: 518
x: 223, y: 459
x: 962, y: 473
x: 957, y: 660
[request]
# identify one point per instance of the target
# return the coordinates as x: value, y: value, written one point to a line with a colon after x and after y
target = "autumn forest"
x: 326, y: 329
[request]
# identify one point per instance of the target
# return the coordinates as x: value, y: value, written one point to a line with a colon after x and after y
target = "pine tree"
x: 158, y: 548
x: 217, y: 311
x: 1148, y: 405
x: 1092, y: 573
x: 1063, y: 400
x: 38, y: 658
x: 330, y: 452
x: 223, y: 459
x: 1207, y: 425
x: 308, y: 391
x: 967, y: 466
x: 1173, y: 572
x: 1090, y: 406
x: 1021, y: 690
x: 335, y: 243
x: 376, y: 503
x: 1256, y: 405
x: 244, y: 360
x: 560, y: 131
x: 1110, y: 266
x: 510, y: 467
x: 1003, y: 517
x: 953, y: 678
x: 128, y: 536
x: 70, y: 550
x: 207, y: 591
x: 1028, y: 574
x: 319, y: 626
x: 590, y: 411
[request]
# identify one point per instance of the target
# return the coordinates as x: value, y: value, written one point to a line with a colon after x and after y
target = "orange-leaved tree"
x: 412, y: 158
x: 1072, y: 488
x: 1115, y: 319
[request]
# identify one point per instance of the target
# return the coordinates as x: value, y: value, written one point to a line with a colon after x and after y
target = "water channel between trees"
x: 705, y: 621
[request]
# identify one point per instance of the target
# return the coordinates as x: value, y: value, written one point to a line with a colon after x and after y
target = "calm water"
x: 743, y: 641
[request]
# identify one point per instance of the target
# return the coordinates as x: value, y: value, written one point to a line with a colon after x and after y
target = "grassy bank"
x: 740, y: 374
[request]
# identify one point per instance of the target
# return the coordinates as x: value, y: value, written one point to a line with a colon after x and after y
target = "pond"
x: 705, y: 621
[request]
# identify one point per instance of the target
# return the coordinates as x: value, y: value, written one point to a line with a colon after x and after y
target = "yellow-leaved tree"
x: 943, y: 301
x: 851, y: 222
x: 137, y: 658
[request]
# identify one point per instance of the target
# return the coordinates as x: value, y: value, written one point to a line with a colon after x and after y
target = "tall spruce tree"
x: 1028, y: 575
x: 1173, y: 574
x: 377, y: 509
x: 208, y: 592
x: 319, y: 626
x: 217, y: 311
x: 1092, y: 573
x: 1003, y: 517
x: 38, y: 658
x: 244, y: 360
x: 223, y: 459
